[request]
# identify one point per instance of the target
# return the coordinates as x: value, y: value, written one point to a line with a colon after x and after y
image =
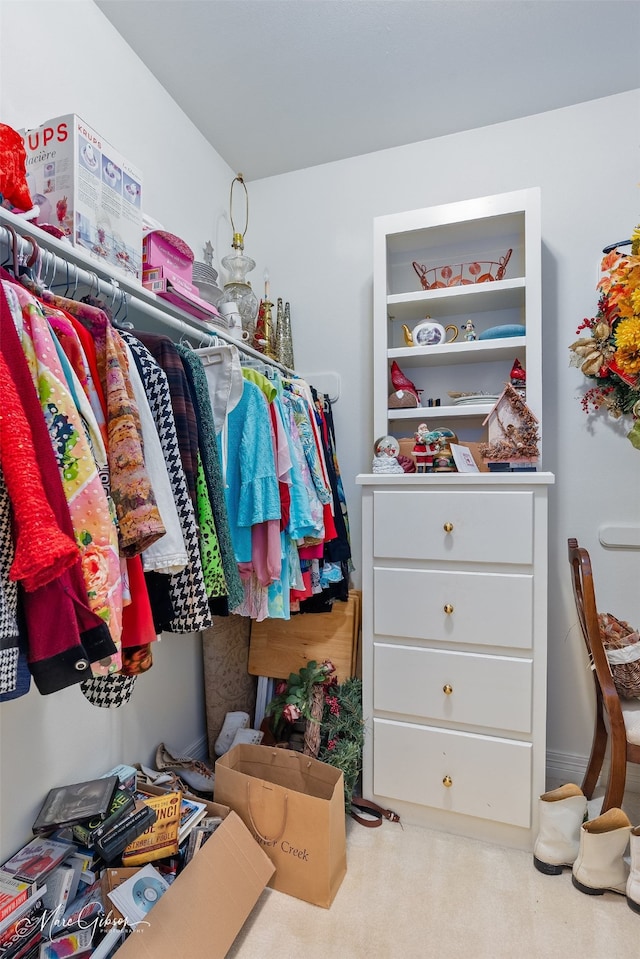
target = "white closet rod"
x: 125, y: 293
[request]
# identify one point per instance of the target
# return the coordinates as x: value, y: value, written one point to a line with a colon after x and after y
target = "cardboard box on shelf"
x: 86, y: 188
x: 209, y: 902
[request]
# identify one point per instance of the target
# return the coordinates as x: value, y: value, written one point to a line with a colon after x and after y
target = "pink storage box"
x: 162, y: 249
x: 161, y: 273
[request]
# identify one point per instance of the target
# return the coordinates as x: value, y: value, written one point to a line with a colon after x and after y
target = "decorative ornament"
x: 518, y: 378
x: 428, y: 333
x: 518, y: 375
x: 402, y: 400
x: 469, y: 331
x: 512, y: 431
x: 401, y: 382
x: 610, y: 355
x: 431, y: 445
x: 14, y: 191
x: 461, y: 274
x: 284, y: 341
x: 259, y: 337
x: 385, y: 453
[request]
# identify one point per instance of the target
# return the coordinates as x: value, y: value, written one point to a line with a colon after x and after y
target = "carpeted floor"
x: 413, y: 893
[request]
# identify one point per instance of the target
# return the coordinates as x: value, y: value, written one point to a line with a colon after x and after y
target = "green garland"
x: 342, y: 736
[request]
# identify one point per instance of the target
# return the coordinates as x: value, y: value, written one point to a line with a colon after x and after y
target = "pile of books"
x: 102, y: 853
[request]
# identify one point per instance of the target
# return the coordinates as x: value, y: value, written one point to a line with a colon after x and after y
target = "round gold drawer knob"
x: 447, y: 781
x: 448, y: 527
x: 447, y: 689
x: 448, y: 608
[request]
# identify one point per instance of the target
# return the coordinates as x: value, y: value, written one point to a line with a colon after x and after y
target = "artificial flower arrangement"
x: 294, y: 697
x: 611, y: 354
x: 332, y: 713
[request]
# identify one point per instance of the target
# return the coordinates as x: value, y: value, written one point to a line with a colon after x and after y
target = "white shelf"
x: 486, y: 351
x: 470, y: 412
x: 457, y: 300
x: 457, y: 233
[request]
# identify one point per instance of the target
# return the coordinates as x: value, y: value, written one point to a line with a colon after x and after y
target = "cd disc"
x: 146, y: 892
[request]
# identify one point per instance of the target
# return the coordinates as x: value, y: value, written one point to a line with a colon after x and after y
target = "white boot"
x: 250, y: 737
x: 633, y: 882
x: 600, y: 866
x: 232, y: 723
x: 561, y: 813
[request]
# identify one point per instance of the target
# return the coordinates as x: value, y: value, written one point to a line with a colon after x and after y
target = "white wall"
x: 313, y: 230
x: 81, y: 65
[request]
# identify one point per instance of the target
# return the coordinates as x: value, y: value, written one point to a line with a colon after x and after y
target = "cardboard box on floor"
x: 209, y: 902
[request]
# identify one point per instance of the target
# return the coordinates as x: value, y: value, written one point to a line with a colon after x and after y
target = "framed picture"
x: 429, y: 333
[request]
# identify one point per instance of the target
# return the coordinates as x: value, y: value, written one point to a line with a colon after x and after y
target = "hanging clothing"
x: 164, y: 352
x: 188, y: 610
x: 137, y: 618
x: 42, y: 550
x: 57, y: 657
x: 9, y: 630
x: 251, y: 486
x: 139, y: 519
x: 91, y: 516
x: 168, y: 554
x: 197, y: 378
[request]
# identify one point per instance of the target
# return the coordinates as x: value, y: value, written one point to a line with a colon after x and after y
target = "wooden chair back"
x: 609, y: 718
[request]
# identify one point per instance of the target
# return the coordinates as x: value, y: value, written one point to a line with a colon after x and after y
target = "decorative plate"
x: 468, y: 399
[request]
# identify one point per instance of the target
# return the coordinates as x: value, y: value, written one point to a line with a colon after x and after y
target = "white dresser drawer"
x: 487, y: 609
x: 437, y: 685
x: 489, y: 777
x: 486, y: 526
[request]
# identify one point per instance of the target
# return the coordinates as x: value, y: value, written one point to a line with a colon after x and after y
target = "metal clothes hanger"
x: 27, y: 262
x: 124, y: 323
x: 46, y: 264
x: 12, y: 263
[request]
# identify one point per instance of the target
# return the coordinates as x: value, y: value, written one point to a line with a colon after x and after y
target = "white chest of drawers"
x: 454, y: 650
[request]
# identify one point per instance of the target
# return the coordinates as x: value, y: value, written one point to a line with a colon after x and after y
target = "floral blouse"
x: 91, y: 514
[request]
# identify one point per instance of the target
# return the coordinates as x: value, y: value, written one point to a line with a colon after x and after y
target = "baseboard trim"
x: 199, y: 749
x: 570, y: 768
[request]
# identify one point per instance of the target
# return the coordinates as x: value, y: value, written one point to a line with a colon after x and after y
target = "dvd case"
x: 67, y: 805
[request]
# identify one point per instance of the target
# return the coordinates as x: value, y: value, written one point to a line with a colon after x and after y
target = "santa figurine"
x: 422, y: 451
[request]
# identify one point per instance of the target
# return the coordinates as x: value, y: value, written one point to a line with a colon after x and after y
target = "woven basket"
x: 622, y: 646
x: 313, y: 728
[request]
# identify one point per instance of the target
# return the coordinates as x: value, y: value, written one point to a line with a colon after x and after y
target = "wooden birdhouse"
x: 512, y: 431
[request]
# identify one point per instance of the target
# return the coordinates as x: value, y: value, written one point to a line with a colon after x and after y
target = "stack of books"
x: 57, y: 891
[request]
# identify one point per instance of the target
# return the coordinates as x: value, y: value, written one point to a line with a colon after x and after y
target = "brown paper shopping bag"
x: 294, y: 807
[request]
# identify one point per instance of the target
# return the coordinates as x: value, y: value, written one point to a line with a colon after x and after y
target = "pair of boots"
x: 594, y: 849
